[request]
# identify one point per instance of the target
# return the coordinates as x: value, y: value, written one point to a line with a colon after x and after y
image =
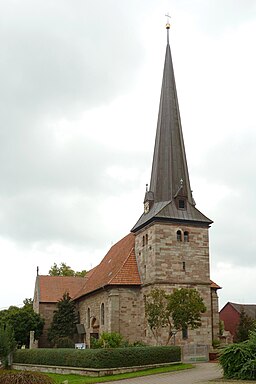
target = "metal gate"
x: 195, y: 353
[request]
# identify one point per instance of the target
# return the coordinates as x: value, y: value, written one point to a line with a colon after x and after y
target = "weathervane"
x: 167, y: 25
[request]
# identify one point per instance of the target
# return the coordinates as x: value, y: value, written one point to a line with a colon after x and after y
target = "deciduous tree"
x: 186, y: 307
x: 65, y: 270
x: 177, y: 311
x: 22, y: 320
x: 157, y: 313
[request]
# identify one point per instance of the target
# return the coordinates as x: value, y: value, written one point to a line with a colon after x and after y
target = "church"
x: 167, y: 248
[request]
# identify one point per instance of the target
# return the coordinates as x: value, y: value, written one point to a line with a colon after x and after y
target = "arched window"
x: 146, y: 239
x: 143, y: 241
x: 88, y: 317
x: 184, y: 333
x: 179, y: 235
x: 102, y: 314
x: 186, y: 236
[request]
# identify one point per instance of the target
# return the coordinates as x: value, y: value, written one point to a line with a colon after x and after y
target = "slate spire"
x: 169, y: 196
x: 169, y: 168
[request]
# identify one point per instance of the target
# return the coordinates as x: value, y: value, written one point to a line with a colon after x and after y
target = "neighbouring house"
x: 167, y: 248
x: 230, y: 315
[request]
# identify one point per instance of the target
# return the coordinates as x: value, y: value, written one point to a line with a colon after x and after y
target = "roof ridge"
x: 125, y: 261
x: 93, y: 270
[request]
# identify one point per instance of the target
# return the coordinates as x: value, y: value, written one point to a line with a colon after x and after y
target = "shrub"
x: 7, y: 344
x: 64, y: 342
x: 239, y: 360
x: 234, y: 357
x: 248, y: 371
x: 108, y: 340
x: 24, y: 377
x: 216, y: 343
x: 99, y: 358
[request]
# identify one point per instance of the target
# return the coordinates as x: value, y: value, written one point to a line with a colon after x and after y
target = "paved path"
x: 201, y: 373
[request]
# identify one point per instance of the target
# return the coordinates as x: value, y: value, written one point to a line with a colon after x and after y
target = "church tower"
x: 171, y: 236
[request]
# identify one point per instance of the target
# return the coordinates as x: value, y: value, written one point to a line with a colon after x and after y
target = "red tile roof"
x: 214, y: 285
x: 119, y: 267
x: 52, y: 288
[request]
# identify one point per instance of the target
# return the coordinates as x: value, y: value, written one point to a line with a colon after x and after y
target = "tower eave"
x: 168, y: 212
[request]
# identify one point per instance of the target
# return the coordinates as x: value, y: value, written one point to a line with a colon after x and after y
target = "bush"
x: 7, y: 344
x: 239, y: 360
x: 108, y: 340
x: 24, y: 377
x: 99, y: 358
x: 233, y: 357
x: 216, y: 343
x: 248, y: 371
x: 64, y: 342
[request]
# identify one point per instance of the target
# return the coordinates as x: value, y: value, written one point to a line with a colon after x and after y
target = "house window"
x: 146, y: 239
x: 179, y: 235
x: 186, y: 237
x: 88, y: 317
x: 143, y: 241
x: 184, y: 266
x: 181, y: 204
x: 102, y: 314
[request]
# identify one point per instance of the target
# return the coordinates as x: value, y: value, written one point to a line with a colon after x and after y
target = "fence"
x: 195, y: 352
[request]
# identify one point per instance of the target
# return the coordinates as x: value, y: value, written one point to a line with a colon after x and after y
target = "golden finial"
x: 167, y: 25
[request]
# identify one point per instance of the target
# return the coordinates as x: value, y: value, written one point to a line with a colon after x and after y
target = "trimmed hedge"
x: 99, y: 358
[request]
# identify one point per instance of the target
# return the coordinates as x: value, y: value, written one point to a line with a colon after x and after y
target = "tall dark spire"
x: 169, y: 162
x: 169, y: 195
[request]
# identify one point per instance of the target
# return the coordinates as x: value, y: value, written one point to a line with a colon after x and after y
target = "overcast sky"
x: 80, y: 87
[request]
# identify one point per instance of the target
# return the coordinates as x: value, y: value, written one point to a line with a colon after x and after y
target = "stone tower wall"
x: 162, y: 258
x: 166, y: 262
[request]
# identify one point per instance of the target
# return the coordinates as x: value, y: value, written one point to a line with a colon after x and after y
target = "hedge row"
x: 99, y: 358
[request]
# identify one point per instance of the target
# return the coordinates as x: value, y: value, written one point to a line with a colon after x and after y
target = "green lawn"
x: 78, y: 379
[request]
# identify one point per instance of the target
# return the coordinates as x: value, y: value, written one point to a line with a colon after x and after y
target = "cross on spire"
x: 167, y: 25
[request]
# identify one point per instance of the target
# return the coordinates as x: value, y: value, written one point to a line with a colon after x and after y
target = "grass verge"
x: 78, y: 379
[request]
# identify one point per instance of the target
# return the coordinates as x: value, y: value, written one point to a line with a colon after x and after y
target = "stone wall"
x: 215, y: 315
x: 122, y: 313
x: 202, y: 335
x: 174, y: 255
x: 161, y: 257
x: 46, y: 310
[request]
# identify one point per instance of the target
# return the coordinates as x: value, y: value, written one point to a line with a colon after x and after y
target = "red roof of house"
x: 119, y: 267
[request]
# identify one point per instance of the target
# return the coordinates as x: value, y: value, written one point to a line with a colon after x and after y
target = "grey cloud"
x: 230, y: 165
x: 55, y: 59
